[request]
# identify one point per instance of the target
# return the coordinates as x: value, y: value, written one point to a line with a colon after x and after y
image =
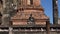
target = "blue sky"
x: 47, y: 5
x: 59, y: 7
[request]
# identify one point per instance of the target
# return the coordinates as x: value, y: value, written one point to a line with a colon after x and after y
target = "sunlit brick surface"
x: 25, y: 8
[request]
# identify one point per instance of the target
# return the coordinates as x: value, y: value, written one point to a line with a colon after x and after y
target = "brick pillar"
x: 47, y: 27
x: 55, y: 12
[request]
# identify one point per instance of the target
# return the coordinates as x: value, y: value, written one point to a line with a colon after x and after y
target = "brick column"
x: 55, y: 12
x: 47, y: 27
